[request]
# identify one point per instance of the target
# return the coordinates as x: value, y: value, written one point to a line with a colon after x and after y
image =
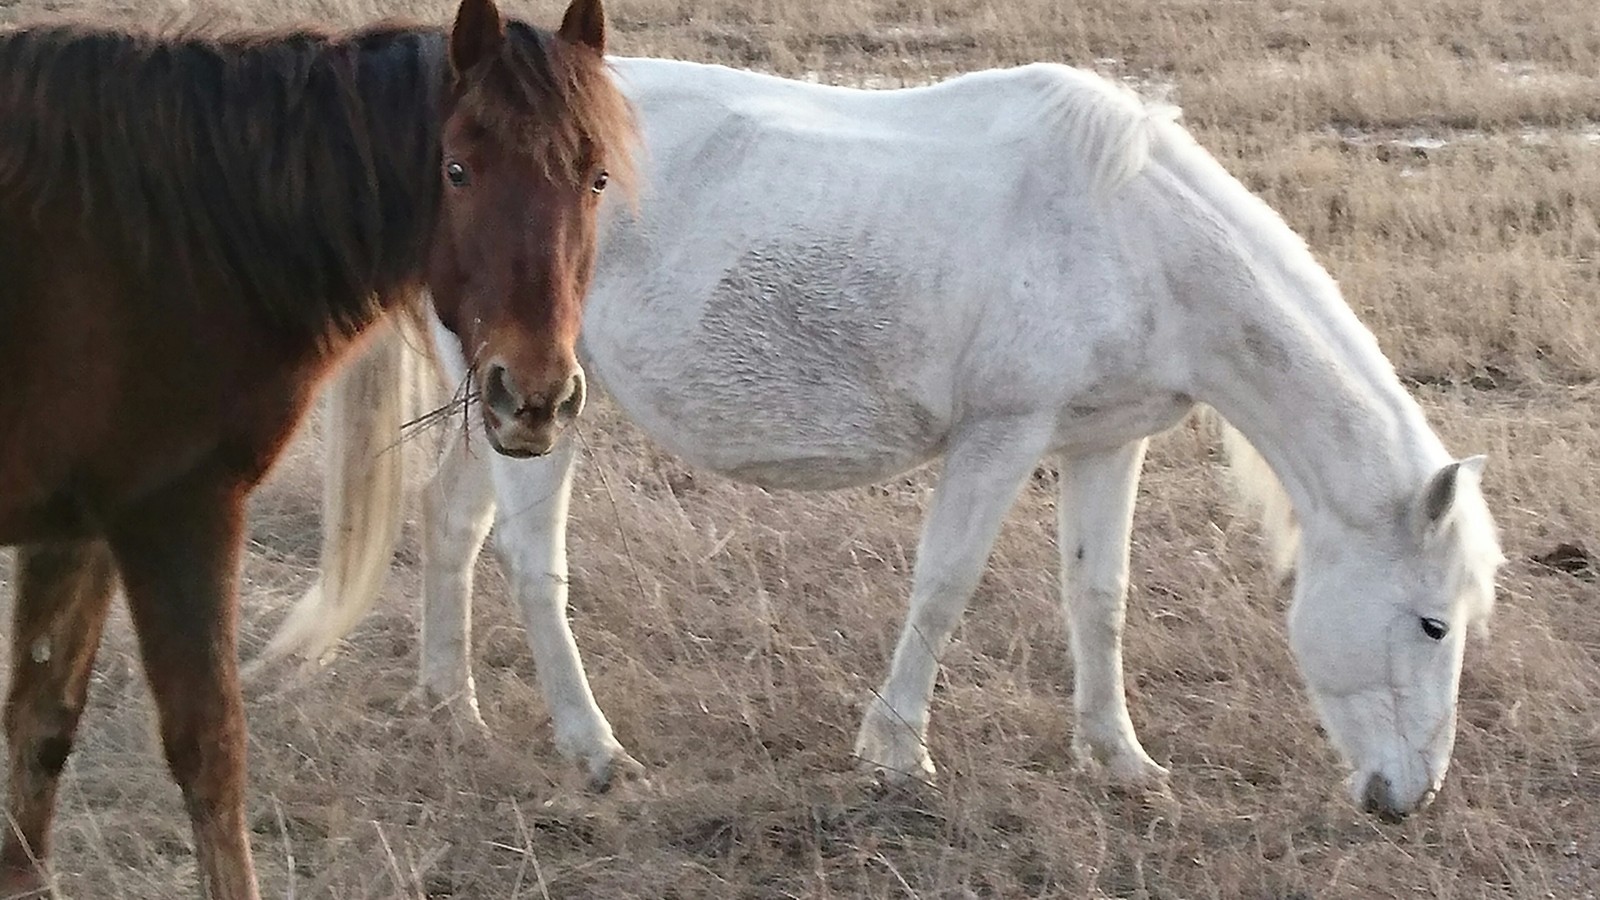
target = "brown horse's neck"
x: 297, y: 172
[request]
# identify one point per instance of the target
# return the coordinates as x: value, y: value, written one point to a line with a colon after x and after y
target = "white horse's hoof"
x: 459, y: 710
x: 1128, y: 767
x: 614, y: 767
x: 892, y: 753
x: 917, y: 773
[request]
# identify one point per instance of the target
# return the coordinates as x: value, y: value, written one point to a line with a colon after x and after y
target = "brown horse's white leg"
x: 63, y: 591
x: 983, y: 471
x: 179, y: 558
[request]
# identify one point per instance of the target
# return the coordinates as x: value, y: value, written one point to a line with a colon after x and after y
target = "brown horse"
x: 193, y: 229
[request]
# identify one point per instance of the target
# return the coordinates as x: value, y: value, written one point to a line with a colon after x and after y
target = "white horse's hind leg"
x: 1096, y: 515
x: 531, y: 540
x: 983, y: 471
x: 457, y: 510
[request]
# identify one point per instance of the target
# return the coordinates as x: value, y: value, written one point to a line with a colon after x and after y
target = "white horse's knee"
x: 932, y: 621
x: 537, y: 579
x: 1095, y: 619
x: 454, y: 528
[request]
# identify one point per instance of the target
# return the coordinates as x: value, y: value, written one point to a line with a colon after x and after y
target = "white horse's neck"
x: 1286, y: 362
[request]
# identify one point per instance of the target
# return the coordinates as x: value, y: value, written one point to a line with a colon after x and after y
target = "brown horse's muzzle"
x: 521, y: 422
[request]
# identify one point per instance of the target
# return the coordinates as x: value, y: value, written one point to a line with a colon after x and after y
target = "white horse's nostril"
x: 1377, y: 798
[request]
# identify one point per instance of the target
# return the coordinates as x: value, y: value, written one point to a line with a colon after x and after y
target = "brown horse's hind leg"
x: 179, y: 556
x: 63, y: 591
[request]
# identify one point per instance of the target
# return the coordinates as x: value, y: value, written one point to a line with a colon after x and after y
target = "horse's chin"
x: 519, y: 446
x: 513, y: 453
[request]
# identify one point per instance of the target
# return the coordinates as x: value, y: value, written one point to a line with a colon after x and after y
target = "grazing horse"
x: 195, y: 228
x: 1007, y: 265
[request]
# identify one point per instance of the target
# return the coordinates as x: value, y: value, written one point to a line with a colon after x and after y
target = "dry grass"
x: 733, y: 642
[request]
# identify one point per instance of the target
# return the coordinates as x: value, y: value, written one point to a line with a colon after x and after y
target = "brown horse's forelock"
x: 297, y: 170
x: 557, y: 104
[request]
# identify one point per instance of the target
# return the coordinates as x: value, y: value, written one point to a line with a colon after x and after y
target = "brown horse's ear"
x: 477, y: 34
x: 585, y: 23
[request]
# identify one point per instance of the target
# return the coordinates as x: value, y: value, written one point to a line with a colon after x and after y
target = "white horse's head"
x: 1379, y: 625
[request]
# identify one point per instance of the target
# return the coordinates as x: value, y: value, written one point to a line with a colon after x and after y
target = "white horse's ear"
x: 1440, y: 495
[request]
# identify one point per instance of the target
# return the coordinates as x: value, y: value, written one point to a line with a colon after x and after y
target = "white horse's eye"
x: 1435, y: 629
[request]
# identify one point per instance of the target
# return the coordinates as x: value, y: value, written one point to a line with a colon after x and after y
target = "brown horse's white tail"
x: 363, y: 494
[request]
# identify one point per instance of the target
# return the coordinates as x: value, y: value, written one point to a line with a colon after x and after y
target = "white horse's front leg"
x: 1096, y: 516
x: 984, y: 469
x: 457, y: 510
x: 531, y: 540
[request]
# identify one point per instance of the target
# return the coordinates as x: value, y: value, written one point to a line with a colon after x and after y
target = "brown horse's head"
x: 534, y: 132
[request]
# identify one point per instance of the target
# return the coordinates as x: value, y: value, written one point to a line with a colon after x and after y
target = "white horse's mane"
x: 1099, y: 121
x: 1474, y: 547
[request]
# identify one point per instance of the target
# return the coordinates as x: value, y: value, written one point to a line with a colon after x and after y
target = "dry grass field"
x: 1443, y: 159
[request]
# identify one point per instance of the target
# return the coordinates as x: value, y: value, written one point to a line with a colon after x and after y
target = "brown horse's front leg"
x: 179, y: 555
x: 63, y: 592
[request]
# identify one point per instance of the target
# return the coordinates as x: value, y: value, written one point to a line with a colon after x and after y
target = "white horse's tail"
x: 1260, y: 490
x: 363, y: 494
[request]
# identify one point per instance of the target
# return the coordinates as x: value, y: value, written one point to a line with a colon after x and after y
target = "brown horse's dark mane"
x: 297, y: 170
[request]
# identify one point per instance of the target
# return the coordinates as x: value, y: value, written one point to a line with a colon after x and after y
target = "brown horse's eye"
x: 600, y: 182
x: 456, y: 173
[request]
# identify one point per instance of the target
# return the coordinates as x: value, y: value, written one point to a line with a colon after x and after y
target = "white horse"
x: 825, y: 287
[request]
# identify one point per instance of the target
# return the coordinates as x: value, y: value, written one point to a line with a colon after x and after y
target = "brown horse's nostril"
x: 497, y: 394
x: 572, y: 403
x: 563, y: 402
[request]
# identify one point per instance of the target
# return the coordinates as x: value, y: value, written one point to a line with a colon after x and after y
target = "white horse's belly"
x: 815, y: 434
x: 809, y: 365
x: 824, y: 468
